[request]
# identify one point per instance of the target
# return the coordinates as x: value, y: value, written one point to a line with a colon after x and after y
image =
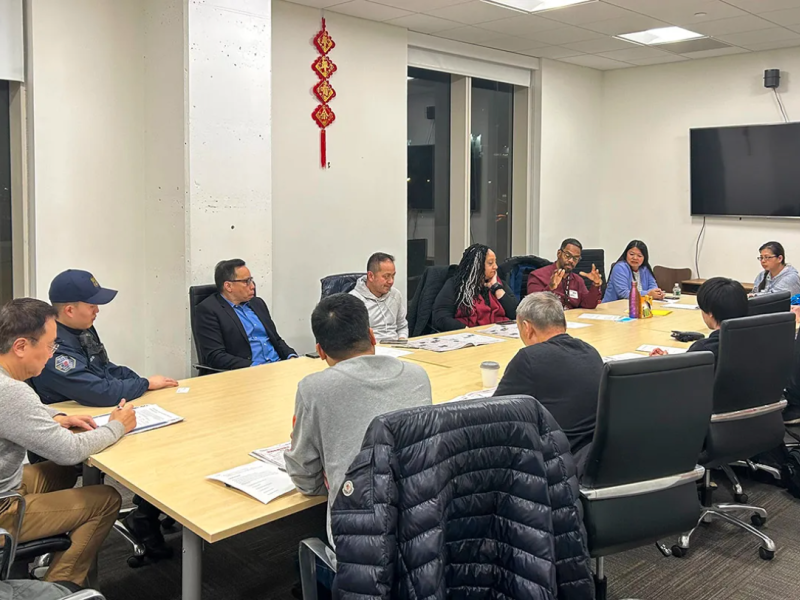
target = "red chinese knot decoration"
x: 324, y: 67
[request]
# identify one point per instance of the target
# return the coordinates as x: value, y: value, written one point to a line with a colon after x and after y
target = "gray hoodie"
x: 387, y: 314
x: 787, y: 280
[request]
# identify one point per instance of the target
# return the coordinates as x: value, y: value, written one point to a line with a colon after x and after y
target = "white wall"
x: 89, y: 142
x: 645, y: 152
x: 570, y: 153
x: 11, y: 45
x: 330, y: 221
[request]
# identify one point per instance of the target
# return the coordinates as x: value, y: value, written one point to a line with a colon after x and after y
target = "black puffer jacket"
x: 420, y: 311
x: 475, y: 499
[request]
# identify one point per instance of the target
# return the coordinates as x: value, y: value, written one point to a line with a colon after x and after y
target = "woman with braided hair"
x: 474, y: 295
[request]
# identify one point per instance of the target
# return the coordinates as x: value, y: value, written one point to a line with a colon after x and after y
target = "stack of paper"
x: 148, y: 417
x: 452, y: 342
x: 684, y: 306
x: 668, y: 349
x: 384, y: 351
x: 261, y: 480
x: 599, y: 317
x: 474, y: 395
x: 623, y: 356
x: 273, y: 454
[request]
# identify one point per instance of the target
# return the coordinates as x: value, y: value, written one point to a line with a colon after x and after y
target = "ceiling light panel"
x: 661, y: 35
x: 532, y: 6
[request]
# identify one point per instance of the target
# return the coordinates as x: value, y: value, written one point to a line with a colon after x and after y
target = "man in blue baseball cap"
x: 80, y: 370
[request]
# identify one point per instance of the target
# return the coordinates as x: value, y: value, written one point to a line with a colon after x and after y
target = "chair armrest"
x: 212, y: 369
x: 310, y: 550
x: 9, y: 541
x: 85, y: 595
x: 5, y: 557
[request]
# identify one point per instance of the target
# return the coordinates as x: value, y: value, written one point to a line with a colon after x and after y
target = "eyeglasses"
x: 247, y: 281
x: 51, y: 347
x: 763, y: 258
x: 569, y: 256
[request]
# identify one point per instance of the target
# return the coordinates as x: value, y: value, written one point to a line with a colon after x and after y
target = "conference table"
x: 228, y: 415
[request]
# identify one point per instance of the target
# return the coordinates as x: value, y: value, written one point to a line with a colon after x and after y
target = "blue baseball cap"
x: 74, y: 285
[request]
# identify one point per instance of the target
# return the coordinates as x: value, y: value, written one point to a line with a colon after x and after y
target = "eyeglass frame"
x: 247, y: 281
x: 569, y: 256
x: 52, y: 346
x: 763, y: 258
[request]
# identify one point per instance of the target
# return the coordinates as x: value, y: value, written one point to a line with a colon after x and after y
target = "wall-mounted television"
x: 752, y: 170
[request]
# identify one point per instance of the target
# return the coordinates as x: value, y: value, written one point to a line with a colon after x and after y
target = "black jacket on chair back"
x: 475, y: 499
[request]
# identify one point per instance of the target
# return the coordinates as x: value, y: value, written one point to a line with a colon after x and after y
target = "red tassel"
x: 323, y: 143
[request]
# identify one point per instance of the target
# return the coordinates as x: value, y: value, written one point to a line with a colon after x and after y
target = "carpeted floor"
x: 723, y: 563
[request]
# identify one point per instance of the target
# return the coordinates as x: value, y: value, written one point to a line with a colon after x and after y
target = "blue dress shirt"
x: 261, y: 348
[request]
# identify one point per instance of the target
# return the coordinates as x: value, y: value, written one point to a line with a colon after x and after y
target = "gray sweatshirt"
x: 27, y: 424
x: 387, y: 314
x: 332, y: 411
x: 788, y: 280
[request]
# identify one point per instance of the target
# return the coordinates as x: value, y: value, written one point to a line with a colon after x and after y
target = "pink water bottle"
x: 634, y: 302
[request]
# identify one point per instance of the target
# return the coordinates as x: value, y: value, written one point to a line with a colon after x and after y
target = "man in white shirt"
x: 385, y: 305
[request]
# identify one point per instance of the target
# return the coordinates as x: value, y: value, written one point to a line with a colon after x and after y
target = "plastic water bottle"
x: 676, y: 291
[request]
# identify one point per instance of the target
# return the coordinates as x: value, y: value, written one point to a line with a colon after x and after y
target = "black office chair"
x: 342, y: 283
x: 754, y: 364
x: 515, y: 270
x: 639, y: 480
x: 198, y: 293
x: 596, y: 257
x: 767, y: 304
x: 12, y: 552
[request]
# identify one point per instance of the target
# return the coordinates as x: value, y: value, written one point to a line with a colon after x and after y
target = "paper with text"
x: 473, y: 395
x: 623, y: 356
x: 148, y: 417
x: 273, y: 454
x: 509, y: 331
x: 261, y: 480
x: 384, y: 351
x: 684, y: 306
x: 668, y: 349
x: 452, y: 342
x: 571, y: 325
x: 597, y: 317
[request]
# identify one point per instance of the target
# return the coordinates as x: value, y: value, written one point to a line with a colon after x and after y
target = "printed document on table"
x: 597, y: 317
x: 384, y: 351
x: 668, y: 349
x: 571, y: 325
x: 509, y: 331
x: 148, y: 417
x: 684, y: 306
x: 453, y: 342
x: 623, y: 356
x: 261, y: 480
x: 273, y: 454
x: 474, y: 395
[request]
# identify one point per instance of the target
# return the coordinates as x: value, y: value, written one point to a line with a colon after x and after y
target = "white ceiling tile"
x: 762, y: 6
x: 658, y: 60
x: 734, y: 25
x: 773, y: 45
x: 512, y: 44
x: 369, y: 10
x: 635, y: 53
x: 424, y: 23
x: 747, y: 38
x: 472, y: 35
x: 628, y: 24
x: 565, y: 35
x: 794, y: 28
x: 716, y: 52
x: 472, y: 13
x: 522, y: 26
x: 554, y: 52
x: 682, y: 12
x: 606, y: 44
x: 789, y: 16
x: 585, y: 13
x: 420, y: 5
x: 318, y: 3
x: 596, y: 62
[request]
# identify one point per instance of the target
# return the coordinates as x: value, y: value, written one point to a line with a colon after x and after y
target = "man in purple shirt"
x: 560, y: 279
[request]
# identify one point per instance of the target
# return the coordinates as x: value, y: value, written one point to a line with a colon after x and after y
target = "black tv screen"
x: 746, y: 171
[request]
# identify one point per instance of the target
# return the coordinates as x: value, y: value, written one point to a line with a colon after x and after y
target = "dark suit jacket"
x: 221, y: 338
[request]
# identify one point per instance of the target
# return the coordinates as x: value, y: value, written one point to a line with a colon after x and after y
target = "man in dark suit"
x: 233, y: 327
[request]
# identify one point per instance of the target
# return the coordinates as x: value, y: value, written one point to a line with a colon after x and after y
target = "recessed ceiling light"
x: 532, y: 6
x: 661, y: 35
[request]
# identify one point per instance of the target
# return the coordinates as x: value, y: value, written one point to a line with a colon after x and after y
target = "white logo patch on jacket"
x: 64, y: 363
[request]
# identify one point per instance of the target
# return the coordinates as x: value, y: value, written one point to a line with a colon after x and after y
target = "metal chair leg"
x: 766, y: 541
x: 737, y: 487
x: 733, y: 507
x: 600, y: 580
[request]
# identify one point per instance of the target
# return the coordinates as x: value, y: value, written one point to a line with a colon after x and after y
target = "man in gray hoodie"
x: 53, y: 505
x: 387, y: 310
x: 333, y: 408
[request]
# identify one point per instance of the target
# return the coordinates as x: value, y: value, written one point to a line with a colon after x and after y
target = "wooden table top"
x: 228, y: 415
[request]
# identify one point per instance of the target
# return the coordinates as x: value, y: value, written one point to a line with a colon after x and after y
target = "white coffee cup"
x: 489, y: 373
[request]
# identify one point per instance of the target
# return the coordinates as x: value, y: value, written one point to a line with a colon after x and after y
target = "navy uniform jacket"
x: 82, y: 372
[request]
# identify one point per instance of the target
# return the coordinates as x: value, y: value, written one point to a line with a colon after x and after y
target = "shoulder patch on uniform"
x: 64, y: 363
